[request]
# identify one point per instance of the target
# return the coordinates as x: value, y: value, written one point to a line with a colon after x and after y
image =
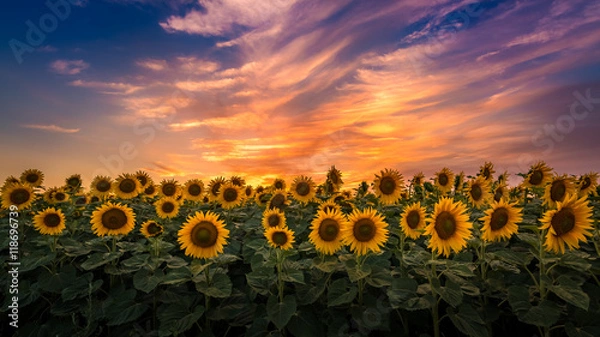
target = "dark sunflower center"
x: 204, y: 234
x: 329, y: 229
x: 74, y: 182
x: 260, y: 189
x: 230, y: 194
x: 114, y: 218
x: 279, y: 238
x: 536, y: 177
x: 127, y: 186
x: 274, y: 220
x: 103, y: 186
x: 557, y: 190
x: 498, y: 194
x: 413, y: 218
x: 59, y: 196
x: 417, y: 180
x: 277, y: 200
x: 194, y: 190
x: 168, y: 207
x: 236, y: 182
x: 587, y: 182
x: 499, y: 219
x: 248, y: 191
x: 279, y: 185
x: 149, y: 189
x: 94, y: 199
x: 19, y: 196
x: 387, y: 185
x: 80, y: 201
x: 153, y: 228
x: 215, y: 188
x: 52, y: 220
x: 32, y: 178
x: 364, y: 230
x: 169, y: 190
x: 302, y: 188
x: 563, y: 221
x: 476, y: 192
x: 445, y: 225
x: 142, y: 179
x: 443, y: 179
x: 263, y: 197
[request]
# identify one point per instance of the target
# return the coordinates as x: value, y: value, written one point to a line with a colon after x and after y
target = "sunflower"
x: 166, y: 207
x: 303, y: 189
x: 150, y: 191
x: 459, y: 182
x: 127, y: 186
x: 151, y: 228
x: 49, y: 221
x: 193, y: 190
x: 444, y: 180
x: 237, y: 181
x: 500, y: 221
x: 259, y: 189
x: 73, y: 183
x: 20, y: 195
x: 59, y: 195
x: 487, y: 171
x: 230, y: 195
x: 500, y: 192
x: 273, y: 218
x: 101, y: 186
x: 279, y: 184
x: 557, y: 189
x: 248, y: 192
x: 278, y: 200
x: 417, y: 179
x: 366, y: 230
x: 449, y: 227
x: 203, y: 235
x: 329, y: 205
x: 334, y: 176
x: 326, y: 231
x: 261, y: 198
x: 478, y: 191
x: 32, y: 177
x: 112, y: 219
x: 279, y: 237
x: 10, y: 180
x: 388, y: 186
x: 93, y: 198
x: 144, y: 178
x: 587, y: 184
x: 213, y: 188
x: 569, y: 223
x: 503, y: 178
x: 412, y: 220
x: 80, y: 199
x: 538, y: 175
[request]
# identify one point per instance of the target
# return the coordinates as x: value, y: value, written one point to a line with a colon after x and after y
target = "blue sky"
x: 198, y: 89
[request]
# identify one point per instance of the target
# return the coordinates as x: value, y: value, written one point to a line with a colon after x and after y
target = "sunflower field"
x: 448, y: 255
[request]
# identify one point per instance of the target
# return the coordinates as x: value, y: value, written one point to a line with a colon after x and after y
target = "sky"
x: 279, y: 88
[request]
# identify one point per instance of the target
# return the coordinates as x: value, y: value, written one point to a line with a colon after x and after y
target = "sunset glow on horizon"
x: 280, y: 88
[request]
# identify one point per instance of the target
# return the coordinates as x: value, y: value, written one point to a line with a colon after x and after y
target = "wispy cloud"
x: 47, y: 49
x: 107, y: 87
x: 50, y: 127
x: 152, y: 64
x: 220, y: 17
x: 68, y: 67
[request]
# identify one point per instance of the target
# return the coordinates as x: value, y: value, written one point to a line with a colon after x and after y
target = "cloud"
x: 51, y: 128
x: 68, y: 67
x: 219, y: 17
x: 107, y: 87
x: 153, y: 64
x: 47, y: 49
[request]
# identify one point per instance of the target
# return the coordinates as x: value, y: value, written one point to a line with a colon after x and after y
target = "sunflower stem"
x: 361, y: 282
x: 401, y: 253
x: 279, y: 269
x: 206, y: 297
x: 434, y: 309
